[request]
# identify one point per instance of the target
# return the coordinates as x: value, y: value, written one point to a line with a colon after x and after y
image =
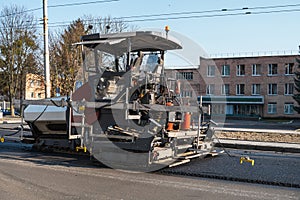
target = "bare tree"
x: 17, y: 49
x: 65, y: 59
x: 107, y: 24
x: 296, y: 95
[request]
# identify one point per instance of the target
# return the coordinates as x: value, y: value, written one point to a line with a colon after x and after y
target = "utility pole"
x: 46, y: 50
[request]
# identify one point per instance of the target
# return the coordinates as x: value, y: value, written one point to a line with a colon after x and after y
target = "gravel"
x: 262, y: 137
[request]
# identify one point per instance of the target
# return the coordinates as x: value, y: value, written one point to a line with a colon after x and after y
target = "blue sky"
x: 230, y: 34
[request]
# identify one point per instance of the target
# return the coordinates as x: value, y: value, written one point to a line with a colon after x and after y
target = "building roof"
x: 253, y: 54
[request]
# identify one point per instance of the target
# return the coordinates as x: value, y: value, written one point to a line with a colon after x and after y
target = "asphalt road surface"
x: 273, y: 168
x: 25, y: 174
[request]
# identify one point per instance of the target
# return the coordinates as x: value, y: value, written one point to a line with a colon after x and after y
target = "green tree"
x: 297, y: 85
x: 18, y: 49
x: 65, y: 59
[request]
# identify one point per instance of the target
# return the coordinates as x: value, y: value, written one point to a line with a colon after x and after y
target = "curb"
x: 256, y: 130
x: 262, y: 146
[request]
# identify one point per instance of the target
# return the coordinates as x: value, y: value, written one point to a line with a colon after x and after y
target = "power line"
x: 277, y: 6
x: 17, y: 13
x: 193, y: 13
x: 61, y: 24
x: 60, y: 5
x: 82, y: 3
x: 161, y: 17
x: 211, y: 11
x: 162, y: 14
x: 214, y: 15
x: 274, y: 11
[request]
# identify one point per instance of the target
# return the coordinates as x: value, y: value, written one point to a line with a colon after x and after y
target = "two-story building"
x: 260, y: 86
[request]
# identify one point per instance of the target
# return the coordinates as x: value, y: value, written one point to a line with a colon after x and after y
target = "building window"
x: 210, y: 89
x: 32, y: 83
x: 211, y: 70
x: 272, y: 69
x: 225, y: 89
x: 38, y: 83
x: 226, y: 70
x: 289, y: 108
x: 256, y: 69
x: 186, y: 93
x: 255, y: 89
x: 272, y: 89
x: 240, y: 70
x: 184, y: 75
x: 240, y: 89
x: 289, y: 68
x: 272, y: 108
x: 32, y: 95
x: 288, y: 89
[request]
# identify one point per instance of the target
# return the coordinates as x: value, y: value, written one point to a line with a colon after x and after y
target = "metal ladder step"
x: 180, y: 162
x: 184, y: 146
x: 77, y: 124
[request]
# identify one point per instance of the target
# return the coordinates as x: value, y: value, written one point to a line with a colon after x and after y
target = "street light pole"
x: 46, y: 51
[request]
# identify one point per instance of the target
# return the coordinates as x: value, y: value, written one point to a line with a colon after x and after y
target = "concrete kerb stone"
x: 255, y: 145
x: 256, y: 130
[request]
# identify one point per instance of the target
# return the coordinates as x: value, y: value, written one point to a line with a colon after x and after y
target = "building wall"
x: 264, y: 78
x: 204, y: 76
x: 35, y: 87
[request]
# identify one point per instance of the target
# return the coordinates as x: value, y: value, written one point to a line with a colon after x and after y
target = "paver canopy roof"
x: 119, y: 43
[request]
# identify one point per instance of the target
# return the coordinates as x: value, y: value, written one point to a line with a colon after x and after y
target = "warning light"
x: 167, y: 28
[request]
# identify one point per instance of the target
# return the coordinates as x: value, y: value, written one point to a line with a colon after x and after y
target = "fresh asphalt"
x: 27, y: 174
x: 279, y: 169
